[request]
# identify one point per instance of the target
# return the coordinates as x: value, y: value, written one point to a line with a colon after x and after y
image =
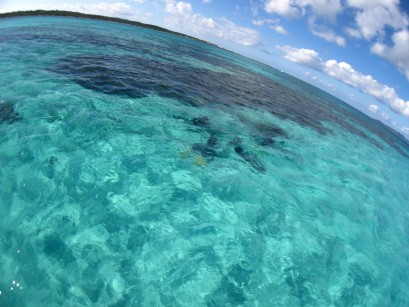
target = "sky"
x: 357, y: 50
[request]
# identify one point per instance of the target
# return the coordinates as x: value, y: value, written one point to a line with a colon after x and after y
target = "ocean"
x: 140, y: 168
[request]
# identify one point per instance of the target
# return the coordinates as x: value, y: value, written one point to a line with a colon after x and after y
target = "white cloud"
x: 180, y: 8
x: 285, y: 8
x: 103, y: 8
x: 230, y: 31
x: 345, y: 73
x: 371, y: 17
x: 398, y: 54
x: 330, y: 36
x: 139, y: 1
x: 279, y: 29
x: 373, y: 108
x: 180, y: 14
x: 258, y: 22
x: 385, y: 116
x: 405, y: 131
x: 273, y: 24
x: 254, y: 7
x: 327, y: 9
x: 263, y: 21
x: 353, y: 32
x: 306, y: 57
x: 325, y: 33
x: 207, y: 1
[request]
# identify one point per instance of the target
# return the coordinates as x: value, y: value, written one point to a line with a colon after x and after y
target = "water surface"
x: 142, y: 168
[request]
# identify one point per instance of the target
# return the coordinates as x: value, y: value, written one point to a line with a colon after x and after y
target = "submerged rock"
x: 212, y: 140
x: 250, y: 158
x: 267, y: 134
x: 271, y: 130
x: 207, y: 150
x: 7, y: 113
x: 49, y: 166
x: 201, y: 121
x: 204, y: 150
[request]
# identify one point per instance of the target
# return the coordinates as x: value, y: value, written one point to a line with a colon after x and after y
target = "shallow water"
x: 140, y: 168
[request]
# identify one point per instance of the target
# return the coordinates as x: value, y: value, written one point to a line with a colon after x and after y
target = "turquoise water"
x: 143, y: 169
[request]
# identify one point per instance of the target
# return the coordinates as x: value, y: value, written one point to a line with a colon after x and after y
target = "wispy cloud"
x: 325, y: 33
x: 102, y: 8
x: 181, y: 15
x: 273, y: 23
x: 354, y: 33
x: 279, y: 29
x: 264, y: 21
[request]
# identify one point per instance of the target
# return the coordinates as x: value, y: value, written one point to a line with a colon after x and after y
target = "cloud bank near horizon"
x: 344, y: 72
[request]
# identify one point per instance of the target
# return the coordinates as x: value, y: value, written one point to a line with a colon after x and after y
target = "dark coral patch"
x: 7, y: 113
x: 137, y: 77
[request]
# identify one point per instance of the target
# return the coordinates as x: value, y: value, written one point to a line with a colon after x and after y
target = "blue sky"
x: 357, y: 50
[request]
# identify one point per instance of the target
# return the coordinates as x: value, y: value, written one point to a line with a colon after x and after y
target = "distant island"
x: 98, y: 17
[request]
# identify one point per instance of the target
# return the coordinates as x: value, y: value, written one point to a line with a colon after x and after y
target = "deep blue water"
x: 142, y: 168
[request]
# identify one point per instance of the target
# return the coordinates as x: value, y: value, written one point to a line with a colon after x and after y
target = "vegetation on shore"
x: 98, y: 17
